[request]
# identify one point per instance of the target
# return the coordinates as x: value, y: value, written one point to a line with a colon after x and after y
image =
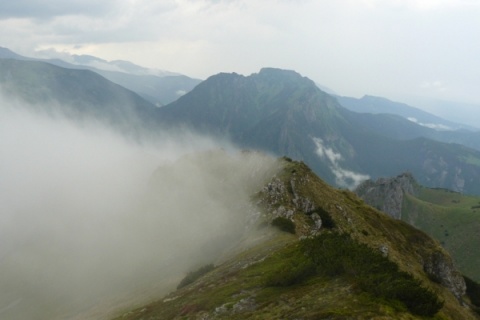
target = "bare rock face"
x: 282, y: 199
x: 387, y: 194
x: 440, y: 268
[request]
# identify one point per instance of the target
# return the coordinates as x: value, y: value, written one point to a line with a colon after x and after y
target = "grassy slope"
x: 236, y: 288
x: 452, y: 219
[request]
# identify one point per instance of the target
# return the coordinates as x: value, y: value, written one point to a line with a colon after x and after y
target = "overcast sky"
x: 391, y: 48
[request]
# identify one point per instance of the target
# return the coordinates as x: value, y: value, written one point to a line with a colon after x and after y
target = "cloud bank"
x: 343, y: 177
x: 89, y: 220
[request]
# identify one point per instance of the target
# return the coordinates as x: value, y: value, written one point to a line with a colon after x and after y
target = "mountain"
x: 462, y: 112
x: 376, y: 105
x: 6, y: 53
x: 158, y: 90
x: 116, y: 65
x: 281, y: 112
x: 157, y: 86
x: 401, y: 121
x: 373, y: 265
x: 450, y: 217
x: 276, y: 111
x: 78, y: 94
x: 337, y: 259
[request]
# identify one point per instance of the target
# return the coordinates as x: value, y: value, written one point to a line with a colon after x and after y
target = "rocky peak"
x: 386, y: 194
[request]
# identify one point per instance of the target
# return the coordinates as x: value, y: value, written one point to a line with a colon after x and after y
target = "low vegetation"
x: 473, y: 292
x: 453, y: 219
x: 194, y: 275
x: 284, y: 224
x: 327, y: 221
x: 337, y: 272
x: 335, y: 255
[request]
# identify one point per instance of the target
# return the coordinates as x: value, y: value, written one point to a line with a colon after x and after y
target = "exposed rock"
x: 440, y: 268
x: 281, y: 199
x: 386, y: 194
x: 384, y: 250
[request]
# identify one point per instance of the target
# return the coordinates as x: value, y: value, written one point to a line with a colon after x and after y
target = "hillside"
x: 281, y: 112
x: 400, y: 121
x: 330, y: 274
x: 156, y: 86
x: 450, y: 217
x: 76, y: 94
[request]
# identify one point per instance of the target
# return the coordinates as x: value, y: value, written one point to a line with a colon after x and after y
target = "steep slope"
x: 281, y: 112
x: 450, y: 217
x: 274, y: 110
x: 156, y: 86
x: 276, y: 275
x: 158, y: 90
x: 77, y: 94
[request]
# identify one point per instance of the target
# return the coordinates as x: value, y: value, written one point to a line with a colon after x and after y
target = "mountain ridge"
x: 284, y: 113
x: 159, y: 88
x: 265, y: 279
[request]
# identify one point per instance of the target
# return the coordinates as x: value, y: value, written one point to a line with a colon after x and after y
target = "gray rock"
x: 440, y: 268
x: 387, y: 194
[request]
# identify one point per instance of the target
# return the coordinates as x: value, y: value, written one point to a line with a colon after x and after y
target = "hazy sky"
x: 391, y: 48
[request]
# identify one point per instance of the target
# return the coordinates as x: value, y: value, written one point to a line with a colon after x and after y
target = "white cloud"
x: 86, y: 223
x: 436, y: 126
x: 344, y: 178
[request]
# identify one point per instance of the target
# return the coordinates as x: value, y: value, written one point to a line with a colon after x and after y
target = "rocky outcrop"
x: 386, y: 194
x: 440, y: 268
x: 280, y: 198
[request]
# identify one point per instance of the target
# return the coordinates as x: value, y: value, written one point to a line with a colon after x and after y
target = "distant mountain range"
x: 284, y: 113
x: 277, y: 111
x: 426, y: 124
x: 157, y: 86
x: 81, y: 95
x: 379, y: 105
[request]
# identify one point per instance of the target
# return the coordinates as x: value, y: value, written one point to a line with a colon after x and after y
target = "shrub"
x: 473, y: 291
x: 194, y: 275
x: 339, y: 255
x: 284, y: 224
x: 291, y: 272
x: 327, y: 221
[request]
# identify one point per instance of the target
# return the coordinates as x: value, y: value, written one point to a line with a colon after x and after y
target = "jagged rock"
x: 282, y: 199
x: 441, y: 269
x: 386, y: 194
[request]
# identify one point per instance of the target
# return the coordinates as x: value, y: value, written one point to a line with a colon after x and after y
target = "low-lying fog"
x: 90, y: 220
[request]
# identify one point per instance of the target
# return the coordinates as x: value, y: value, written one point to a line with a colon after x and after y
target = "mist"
x: 91, y: 222
x: 343, y: 177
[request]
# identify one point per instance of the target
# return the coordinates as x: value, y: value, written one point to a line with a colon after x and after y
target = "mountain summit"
x: 281, y: 112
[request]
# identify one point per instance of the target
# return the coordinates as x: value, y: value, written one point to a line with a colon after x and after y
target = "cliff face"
x: 386, y: 194
x: 440, y: 267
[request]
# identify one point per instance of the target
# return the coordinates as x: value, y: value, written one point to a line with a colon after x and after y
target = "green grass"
x: 452, y: 219
x: 338, y: 274
x: 471, y: 159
